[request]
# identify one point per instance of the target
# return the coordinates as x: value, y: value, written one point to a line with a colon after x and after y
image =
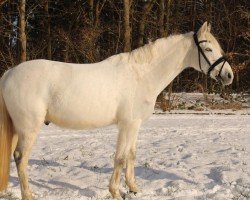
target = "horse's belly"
x: 84, y: 122
x: 82, y: 117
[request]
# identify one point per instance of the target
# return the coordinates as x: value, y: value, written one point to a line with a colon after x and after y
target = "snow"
x: 180, y: 156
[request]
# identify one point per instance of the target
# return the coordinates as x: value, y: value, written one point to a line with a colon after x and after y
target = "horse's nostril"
x: 229, y: 75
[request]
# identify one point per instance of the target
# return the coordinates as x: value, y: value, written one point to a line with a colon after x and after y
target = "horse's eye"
x: 208, y: 49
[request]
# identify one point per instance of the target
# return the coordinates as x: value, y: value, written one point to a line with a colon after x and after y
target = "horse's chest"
x: 143, y: 107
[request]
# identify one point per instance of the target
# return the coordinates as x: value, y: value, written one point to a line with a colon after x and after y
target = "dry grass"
x: 208, y: 102
x: 8, y: 196
x: 227, y: 105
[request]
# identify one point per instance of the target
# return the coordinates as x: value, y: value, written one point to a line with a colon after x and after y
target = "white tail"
x: 6, y: 135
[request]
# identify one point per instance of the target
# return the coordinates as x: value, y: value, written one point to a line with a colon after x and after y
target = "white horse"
x: 120, y: 90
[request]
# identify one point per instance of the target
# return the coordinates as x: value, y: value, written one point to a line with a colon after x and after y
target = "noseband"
x: 211, y: 66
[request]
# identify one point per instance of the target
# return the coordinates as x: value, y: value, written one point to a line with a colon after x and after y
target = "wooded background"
x: 86, y: 31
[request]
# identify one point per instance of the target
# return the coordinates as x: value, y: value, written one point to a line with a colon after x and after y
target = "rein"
x: 211, y: 66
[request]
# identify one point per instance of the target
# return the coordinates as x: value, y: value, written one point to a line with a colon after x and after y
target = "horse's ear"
x: 203, y: 29
x: 209, y: 27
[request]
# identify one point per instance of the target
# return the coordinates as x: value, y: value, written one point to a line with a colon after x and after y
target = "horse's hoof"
x: 130, y: 191
x: 115, y: 194
x: 124, y: 197
x: 28, y: 198
x: 134, y: 189
x: 119, y: 198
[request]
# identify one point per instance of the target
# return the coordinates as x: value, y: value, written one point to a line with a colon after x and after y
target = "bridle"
x: 211, y: 66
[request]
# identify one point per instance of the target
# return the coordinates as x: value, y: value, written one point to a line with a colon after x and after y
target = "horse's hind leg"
x: 21, y: 156
x: 127, y: 136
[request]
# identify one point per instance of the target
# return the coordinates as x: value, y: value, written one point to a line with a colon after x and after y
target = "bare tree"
x: 98, y: 10
x: 48, y: 29
x: 161, y: 18
x: 22, y: 33
x: 146, y: 10
x: 127, y: 28
x: 101, y: 28
x: 91, y: 12
x: 164, y: 10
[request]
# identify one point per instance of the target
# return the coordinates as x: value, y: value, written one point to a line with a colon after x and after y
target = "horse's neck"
x: 171, y: 62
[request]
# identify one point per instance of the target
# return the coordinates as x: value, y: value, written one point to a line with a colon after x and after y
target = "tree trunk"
x: 168, y: 17
x: 91, y: 13
x: 66, y: 51
x: 161, y: 18
x: 98, y: 9
x: 22, y: 34
x: 127, y: 28
x: 49, y: 56
x: 164, y: 24
x: 163, y: 33
x: 146, y: 10
x: 237, y: 81
x: 204, y: 84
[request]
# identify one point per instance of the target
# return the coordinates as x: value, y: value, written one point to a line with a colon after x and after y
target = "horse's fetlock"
x: 17, y: 156
x: 114, y: 191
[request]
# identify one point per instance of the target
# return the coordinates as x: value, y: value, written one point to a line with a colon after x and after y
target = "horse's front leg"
x: 130, y: 170
x: 128, y: 132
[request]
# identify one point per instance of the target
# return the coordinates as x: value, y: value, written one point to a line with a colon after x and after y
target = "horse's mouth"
x: 219, y: 79
x: 222, y: 81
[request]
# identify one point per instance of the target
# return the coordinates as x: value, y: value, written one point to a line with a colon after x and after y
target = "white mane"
x: 147, y: 53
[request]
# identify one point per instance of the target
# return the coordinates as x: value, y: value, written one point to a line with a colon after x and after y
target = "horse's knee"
x: 132, y: 155
x: 120, y: 161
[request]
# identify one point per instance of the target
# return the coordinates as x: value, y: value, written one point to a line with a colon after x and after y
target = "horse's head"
x: 210, y: 59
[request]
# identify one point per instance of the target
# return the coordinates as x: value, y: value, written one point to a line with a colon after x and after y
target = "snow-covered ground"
x: 180, y: 156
